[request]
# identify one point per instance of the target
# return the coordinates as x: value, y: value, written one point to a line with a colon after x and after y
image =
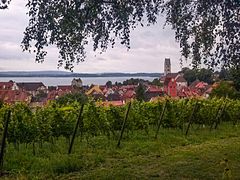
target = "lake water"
x: 54, y: 81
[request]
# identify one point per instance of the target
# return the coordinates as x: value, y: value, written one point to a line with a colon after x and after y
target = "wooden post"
x: 220, y: 115
x: 161, y: 117
x: 190, y: 121
x: 217, y: 114
x: 75, y: 129
x: 3, y: 143
x: 124, y: 124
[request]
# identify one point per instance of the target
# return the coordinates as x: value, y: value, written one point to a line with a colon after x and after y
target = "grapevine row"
x: 53, y: 121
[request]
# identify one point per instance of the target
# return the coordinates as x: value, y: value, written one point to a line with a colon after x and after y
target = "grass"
x: 200, y: 155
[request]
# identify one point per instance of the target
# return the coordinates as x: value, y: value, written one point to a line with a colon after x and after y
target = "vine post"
x: 161, y: 117
x: 75, y: 129
x: 190, y: 120
x: 124, y: 124
x: 220, y: 115
x: 3, y: 142
x: 220, y: 111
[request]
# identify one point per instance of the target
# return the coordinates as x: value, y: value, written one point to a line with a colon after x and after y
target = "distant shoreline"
x: 68, y: 74
x: 55, y: 81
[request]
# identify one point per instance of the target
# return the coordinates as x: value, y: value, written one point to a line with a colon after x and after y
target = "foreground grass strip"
x: 201, y: 155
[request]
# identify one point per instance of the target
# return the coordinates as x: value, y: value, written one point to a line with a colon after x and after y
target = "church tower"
x: 167, y: 66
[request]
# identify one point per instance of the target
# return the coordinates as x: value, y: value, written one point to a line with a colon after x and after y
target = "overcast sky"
x: 149, y: 47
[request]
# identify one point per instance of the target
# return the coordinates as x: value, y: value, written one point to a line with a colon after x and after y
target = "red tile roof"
x: 102, y: 87
x: 6, y: 85
x: 201, y: 85
x: 129, y: 94
x: 30, y: 86
x: 128, y: 87
x: 194, y: 83
x: 65, y: 88
x: 188, y: 92
x: 154, y: 89
x: 172, y: 75
x: 12, y: 96
x: 180, y: 79
x: 52, y: 95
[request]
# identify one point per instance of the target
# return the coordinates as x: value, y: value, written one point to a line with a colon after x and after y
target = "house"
x: 108, y: 91
x: 173, y: 83
x: 8, y: 86
x: 128, y: 87
x: 193, y: 84
x: 54, y: 94
x: 95, y: 89
x: 96, y: 92
x: 77, y: 83
x: 52, y: 88
x: 65, y: 88
x: 170, y: 84
x: 162, y: 79
x: 186, y: 92
x: 181, y: 82
x: 153, y: 91
x: 32, y: 87
x: 128, y: 95
x: 200, y: 87
x: 208, y: 91
x: 13, y: 96
x: 97, y: 97
x: 196, y: 89
x: 115, y: 96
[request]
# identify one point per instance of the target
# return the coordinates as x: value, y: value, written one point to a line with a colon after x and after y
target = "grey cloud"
x: 101, y: 59
x: 10, y: 51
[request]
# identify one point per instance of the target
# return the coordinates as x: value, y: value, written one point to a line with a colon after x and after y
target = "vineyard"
x: 76, y: 124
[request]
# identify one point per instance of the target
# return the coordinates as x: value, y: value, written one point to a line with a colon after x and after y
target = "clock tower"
x: 167, y: 66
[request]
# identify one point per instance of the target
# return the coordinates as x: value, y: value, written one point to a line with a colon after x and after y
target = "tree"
x: 71, y: 24
x: 224, y: 74
x: 235, y: 77
x: 205, y: 75
x: 4, y: 4
x: 71, y: 98
x: 225, y: 89
x: 109, y: 84
x: 231, y: 74
x: 190, y: 75
x: 156, y: 82
x: 140, y: 92
x: 208, y: 31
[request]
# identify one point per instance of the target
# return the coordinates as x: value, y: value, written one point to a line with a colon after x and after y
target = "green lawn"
x: 200, y: 155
